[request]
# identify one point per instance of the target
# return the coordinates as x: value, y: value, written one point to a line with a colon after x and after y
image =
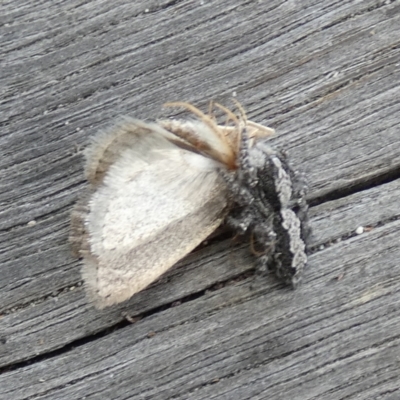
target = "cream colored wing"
x: 154, y: 202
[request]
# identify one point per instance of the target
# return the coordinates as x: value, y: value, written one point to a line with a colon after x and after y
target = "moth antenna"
x: 267, y: 131
x: 230, y: 160
x: 210, y: 110
x: 229, y: 113
x: 241, y: 110
x: 205, y: 118
x: 256, y: 127
x: 244, y: 120
x: 232, y: 116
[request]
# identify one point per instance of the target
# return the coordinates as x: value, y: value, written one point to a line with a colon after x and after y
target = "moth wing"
x: 155, y: 204
x: 104, y: 150
x: 107, y: 146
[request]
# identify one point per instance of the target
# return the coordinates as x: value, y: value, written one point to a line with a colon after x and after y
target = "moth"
x: 157, y: 190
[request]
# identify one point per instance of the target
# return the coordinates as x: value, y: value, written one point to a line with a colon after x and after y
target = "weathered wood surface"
x: 326, y: 76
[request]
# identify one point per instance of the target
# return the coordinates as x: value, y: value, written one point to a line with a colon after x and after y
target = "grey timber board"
x: 336, y: 336
x: 36, y: 329
x: 325, y: 75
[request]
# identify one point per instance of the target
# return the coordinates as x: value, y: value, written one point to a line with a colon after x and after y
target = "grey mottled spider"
x: 270, y: 204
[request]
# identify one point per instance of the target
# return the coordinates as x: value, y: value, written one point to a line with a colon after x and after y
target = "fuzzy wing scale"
x: 156, y: 203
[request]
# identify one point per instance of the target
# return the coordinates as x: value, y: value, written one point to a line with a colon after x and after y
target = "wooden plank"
x: 258, y: 343
x: 340, y: 218
x: 325, y: 75
x: 35, y: 330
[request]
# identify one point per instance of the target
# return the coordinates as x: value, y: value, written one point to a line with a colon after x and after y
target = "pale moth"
x: 157, y: 190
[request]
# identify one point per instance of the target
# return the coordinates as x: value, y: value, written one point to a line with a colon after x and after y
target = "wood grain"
x: 326, y: 76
